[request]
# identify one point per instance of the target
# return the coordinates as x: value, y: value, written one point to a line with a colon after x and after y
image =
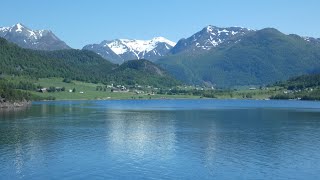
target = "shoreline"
x: 21, y: 104
x: 12, y: 105
x: 172, y: 99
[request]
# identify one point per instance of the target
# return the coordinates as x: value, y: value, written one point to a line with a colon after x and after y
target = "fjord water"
x: 161, y: 139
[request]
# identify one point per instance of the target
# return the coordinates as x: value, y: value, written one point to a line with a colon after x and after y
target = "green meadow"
x: 88, y: 91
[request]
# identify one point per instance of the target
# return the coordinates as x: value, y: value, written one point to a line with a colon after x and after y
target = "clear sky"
x: 81, y: 22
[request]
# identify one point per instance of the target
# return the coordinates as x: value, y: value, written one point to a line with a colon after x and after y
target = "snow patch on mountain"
x: 120, y: 50
x: 32, y: 39
x: 19, y: 27
x: 121, y: 46
x: 208, y: 38
x: 22, y: 30
x: 311, y: 39
x: 117, y: 46
x: 4, y: 29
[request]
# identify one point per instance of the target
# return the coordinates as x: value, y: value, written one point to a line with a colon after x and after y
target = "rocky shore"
x: 14, y: 104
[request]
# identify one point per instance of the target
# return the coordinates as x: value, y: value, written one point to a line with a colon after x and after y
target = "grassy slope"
x: 90, y: 92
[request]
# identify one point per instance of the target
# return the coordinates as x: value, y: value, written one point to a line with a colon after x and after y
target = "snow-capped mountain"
x: 208, y: 38
x: 120, y: 50
x: 32, y: 39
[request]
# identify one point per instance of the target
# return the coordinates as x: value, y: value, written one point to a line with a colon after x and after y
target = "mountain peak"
x: 164, y: 40
x: 209, y: 37
x: 129, y: 49
x: 138, y: 48
x: 32, y: 39
x: 18, y: 27
x: 210, y: 28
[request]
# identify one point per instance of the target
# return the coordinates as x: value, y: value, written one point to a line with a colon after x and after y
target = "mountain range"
x: 120, y: 50
x: 32, y: 39
x: 224, y: 57
x: 79, y: 65
x: 259, y: 57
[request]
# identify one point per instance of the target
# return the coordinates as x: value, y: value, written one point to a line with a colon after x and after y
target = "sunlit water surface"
x: 161, y: 139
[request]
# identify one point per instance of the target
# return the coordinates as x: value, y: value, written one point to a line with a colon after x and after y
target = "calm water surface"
x: 161, y: 139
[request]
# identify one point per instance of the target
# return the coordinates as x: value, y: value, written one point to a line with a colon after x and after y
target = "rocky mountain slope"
x: 121, y: 50
x: 32, y: 39
x: 207, y: 38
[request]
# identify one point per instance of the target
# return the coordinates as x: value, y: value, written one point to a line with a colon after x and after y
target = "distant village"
x: 138, y: 89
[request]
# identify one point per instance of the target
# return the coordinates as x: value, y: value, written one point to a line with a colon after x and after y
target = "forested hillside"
x: 258, y: 58
x: 142, y: 72
x: 74, y: 64
x: 305, y: 87
x: 81, y: 65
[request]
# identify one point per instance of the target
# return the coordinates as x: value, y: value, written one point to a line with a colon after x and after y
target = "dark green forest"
x: 142, y: 72
x: 75, y: 64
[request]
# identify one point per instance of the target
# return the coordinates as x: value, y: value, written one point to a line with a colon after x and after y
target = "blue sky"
x: 83, y: 22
